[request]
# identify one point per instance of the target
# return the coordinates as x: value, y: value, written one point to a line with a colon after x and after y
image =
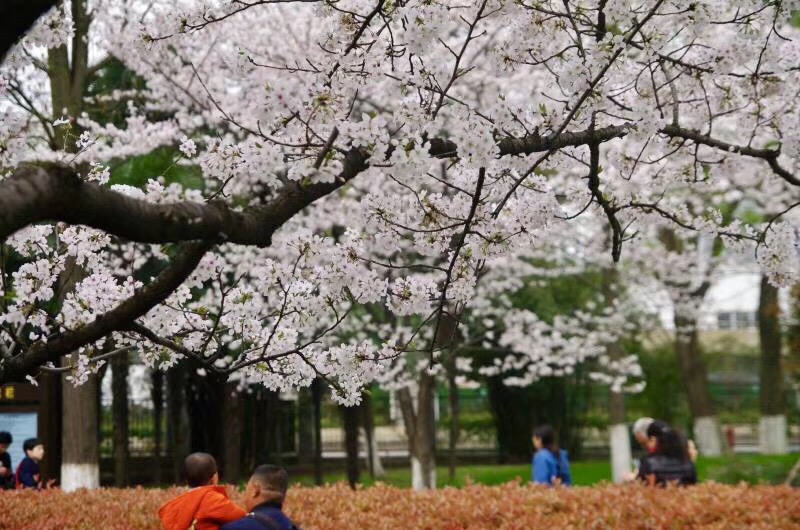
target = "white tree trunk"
x: 418, y: 481
x: 80, y: 447
x: 620, y: 452
x: 76, y: 476
x: 708, y: 436
x: 772, y: 438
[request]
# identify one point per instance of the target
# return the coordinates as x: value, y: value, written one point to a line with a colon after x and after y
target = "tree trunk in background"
x: 157, y: 395
x: 273, y: 426
x: 620, y: 440
x: 80, y: 465
x: 119, y: 392
x: 305, y: 426
x: 707, y: 431
x: 455, y: 415
x: 772, y: 425
x: 49, y: 424
x: 350, y: 416
x: 232, y: 434
x: 420, y: 423
x: 177, y: 421
x: 316, y: 397
x: 205, y: 403
x: 368, y: 420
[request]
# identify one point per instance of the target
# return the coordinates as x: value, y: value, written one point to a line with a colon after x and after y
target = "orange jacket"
x: 208, y: 506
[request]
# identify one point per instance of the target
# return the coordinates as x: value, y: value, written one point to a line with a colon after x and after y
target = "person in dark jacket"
x: 29, y: 475
x: 668, y: 461
x: 263, y: 498
x: 6, y: 471
x: 550, y: 464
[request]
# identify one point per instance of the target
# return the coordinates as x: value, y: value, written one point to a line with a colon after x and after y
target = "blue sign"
x: 21, y: 425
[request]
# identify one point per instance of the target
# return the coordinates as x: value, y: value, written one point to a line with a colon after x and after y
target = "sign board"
x: 19, y: 406
x: 18, y: 394
x: 21, y: 425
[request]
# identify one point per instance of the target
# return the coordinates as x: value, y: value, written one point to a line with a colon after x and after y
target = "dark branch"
x: 37, y: 194
x: 17, y: 17
x: 119, y: 318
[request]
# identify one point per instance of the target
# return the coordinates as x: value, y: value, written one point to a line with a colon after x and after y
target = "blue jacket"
x: 28, y: 473
x: 270, y: 510
x: 545, y: 467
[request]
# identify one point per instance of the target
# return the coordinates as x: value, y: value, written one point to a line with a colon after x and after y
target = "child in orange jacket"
x: 204, y: 507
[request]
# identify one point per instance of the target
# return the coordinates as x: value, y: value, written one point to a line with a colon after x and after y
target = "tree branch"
x: 53, y: 193
x: 119, y: 318
x: 17, y: 17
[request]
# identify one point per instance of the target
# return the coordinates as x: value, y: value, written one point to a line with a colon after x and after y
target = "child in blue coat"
x: 550, y: 464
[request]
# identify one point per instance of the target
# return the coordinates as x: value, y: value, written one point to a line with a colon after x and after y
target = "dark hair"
x: 5, y: 437
x: 272, y: 478
x: 670, y: 443
x: 547, y: 435
x: 199, y: 469
x: 30, y: 443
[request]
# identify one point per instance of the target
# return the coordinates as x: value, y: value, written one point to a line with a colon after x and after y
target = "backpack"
x: 559, y: 474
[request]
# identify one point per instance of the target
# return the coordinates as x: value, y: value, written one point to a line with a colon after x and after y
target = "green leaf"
x: 137, y: 170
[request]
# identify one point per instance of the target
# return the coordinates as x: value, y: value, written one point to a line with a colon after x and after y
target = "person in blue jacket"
x: 550, y: 464
x: 263, y: 498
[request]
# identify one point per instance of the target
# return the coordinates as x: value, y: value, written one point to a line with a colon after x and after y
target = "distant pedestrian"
x: 668, y: 461
x: 6, y: 471
x: 550, y: 464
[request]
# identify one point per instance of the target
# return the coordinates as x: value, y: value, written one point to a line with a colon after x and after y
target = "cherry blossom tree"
x: 441, y: 136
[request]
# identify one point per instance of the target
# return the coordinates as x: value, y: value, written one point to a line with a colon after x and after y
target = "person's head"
x: 640, y: 430
x: 664, y: 440
x: 33, y: 448
x: 268, y: 483
x: 201, y: 470
x: 544, y: 437
x: 5, y: 441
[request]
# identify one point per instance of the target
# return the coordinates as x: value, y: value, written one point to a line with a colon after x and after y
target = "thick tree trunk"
x: 119, y: 393
x: 177, y: 421
x: 772, y: 426
x: 50, y: 423
x: 316, y: 397
x: 80, y: 465
x: 232, y: 434
x: 157, y: 394
x: 707, y: 431
x: 350, y: 416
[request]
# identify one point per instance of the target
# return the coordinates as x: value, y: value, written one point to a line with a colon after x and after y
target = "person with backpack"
x: 263, y: 498
x: 668, y: 460
x: 550, y: 464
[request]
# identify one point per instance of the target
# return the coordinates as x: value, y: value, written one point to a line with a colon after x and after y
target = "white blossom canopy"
x: 361, y: 153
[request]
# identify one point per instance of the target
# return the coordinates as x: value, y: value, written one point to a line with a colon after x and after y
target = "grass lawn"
x: 730, y: 470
